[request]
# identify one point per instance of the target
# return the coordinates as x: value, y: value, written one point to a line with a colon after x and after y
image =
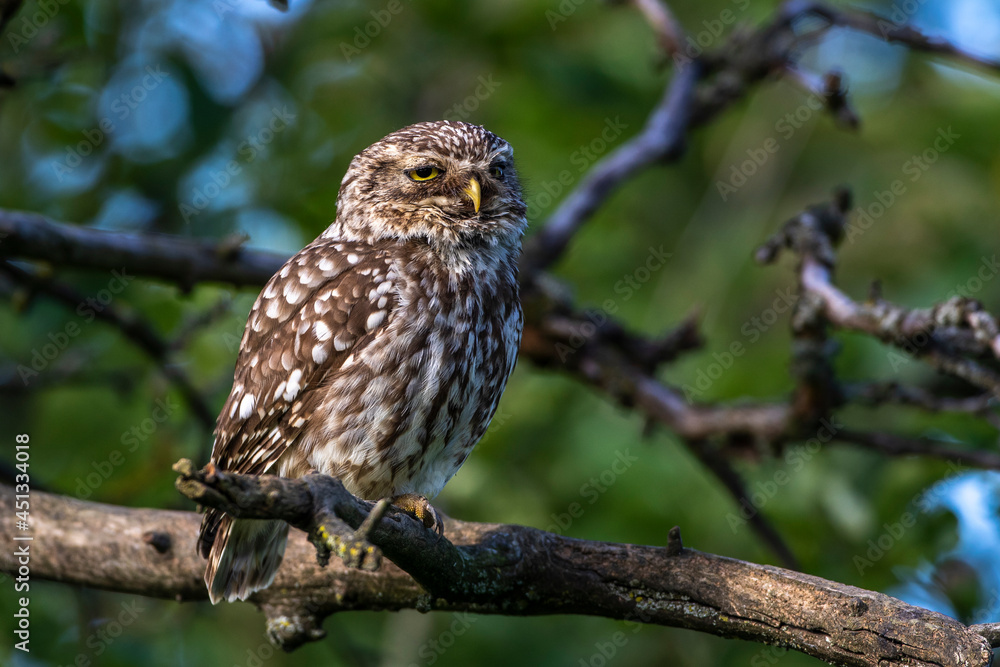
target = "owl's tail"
x: 243, y: 554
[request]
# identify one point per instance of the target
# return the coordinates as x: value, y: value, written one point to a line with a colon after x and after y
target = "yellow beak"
x: 474, y: 192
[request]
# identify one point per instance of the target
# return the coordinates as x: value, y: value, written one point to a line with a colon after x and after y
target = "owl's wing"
x: 325, y: 304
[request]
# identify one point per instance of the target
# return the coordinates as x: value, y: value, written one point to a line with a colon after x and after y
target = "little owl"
x: 378, y: 353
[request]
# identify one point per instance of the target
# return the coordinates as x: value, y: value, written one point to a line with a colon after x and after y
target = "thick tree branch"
x: 521, y: 571
x: 183, y: 262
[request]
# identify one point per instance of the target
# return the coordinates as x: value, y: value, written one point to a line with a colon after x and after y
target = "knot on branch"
x: 290, y: 630
x: 674, y: 544
x: 814, y: 233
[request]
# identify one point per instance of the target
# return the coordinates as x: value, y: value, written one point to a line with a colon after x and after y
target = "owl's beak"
x: 474, y: 192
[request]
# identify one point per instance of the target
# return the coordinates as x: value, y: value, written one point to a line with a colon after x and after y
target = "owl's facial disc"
x: 448, y: 183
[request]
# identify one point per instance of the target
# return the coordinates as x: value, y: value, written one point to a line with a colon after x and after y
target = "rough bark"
x: 510, y: 570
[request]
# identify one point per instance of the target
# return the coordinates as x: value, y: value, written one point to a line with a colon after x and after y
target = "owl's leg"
x: 420, y: 508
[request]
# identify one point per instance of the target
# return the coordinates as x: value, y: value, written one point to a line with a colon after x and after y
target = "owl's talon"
x: 421, y: 509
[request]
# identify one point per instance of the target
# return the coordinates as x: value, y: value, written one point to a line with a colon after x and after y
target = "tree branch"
x: 662, y: 139
x: 885, y: 29
x: 183, y: 262
x: 522, y: 571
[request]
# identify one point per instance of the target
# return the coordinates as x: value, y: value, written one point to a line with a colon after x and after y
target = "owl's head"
x: 446, y: 182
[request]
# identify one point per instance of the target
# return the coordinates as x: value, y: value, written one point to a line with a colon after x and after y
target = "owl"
x: 379, y: 352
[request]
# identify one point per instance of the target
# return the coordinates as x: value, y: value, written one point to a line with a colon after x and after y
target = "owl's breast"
x: 405, y: 412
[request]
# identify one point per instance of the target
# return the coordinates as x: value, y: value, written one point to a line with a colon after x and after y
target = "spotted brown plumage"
x: 379, y: 352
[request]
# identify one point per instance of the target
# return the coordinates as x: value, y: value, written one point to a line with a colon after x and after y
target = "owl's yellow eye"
x: 424, y: 173
x: 497, y: 172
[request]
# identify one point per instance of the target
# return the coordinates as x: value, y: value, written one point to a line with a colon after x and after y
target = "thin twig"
x: 890, y: 444
x: 879, y: 393
x: 886, y: 29
x: 668, y: 31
